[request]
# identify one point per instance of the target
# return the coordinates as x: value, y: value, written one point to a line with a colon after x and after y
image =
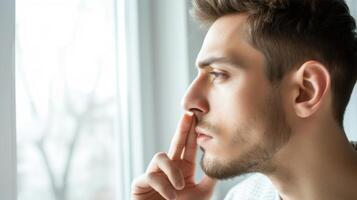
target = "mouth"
x: 203, y: 138
x: 202, y: 132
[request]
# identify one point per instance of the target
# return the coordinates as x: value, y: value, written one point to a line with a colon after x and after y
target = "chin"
x: 214, y: 167
x: 218, y: 167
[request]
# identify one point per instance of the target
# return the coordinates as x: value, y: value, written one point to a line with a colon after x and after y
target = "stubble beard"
x: 259, y: 156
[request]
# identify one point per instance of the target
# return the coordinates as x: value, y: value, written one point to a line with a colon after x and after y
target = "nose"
x: 195, y: 98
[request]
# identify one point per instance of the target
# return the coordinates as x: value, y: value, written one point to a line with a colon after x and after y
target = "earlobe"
x: 312, y: 83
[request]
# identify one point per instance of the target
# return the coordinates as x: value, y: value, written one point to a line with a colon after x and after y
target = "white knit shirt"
x: 255, y: 187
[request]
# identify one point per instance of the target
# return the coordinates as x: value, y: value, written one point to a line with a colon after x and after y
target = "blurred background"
x: 98, y: 91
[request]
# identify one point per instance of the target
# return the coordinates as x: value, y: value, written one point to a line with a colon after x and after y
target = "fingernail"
x: 180, y: 185
x: 189, y: 113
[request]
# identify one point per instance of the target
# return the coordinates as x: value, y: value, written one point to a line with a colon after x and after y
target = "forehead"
x: 233, y: 26
x: 228, y: 36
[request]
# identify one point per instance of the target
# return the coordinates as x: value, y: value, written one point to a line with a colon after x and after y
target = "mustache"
x: 207, y: 126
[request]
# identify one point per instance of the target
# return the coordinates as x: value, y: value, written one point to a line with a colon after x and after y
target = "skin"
x: 285, y: 131
x: 167, y: 171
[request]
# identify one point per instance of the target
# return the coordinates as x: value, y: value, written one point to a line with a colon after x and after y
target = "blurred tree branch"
x: 82, y: 118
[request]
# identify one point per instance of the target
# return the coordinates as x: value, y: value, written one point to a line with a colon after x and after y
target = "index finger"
x: 189, y: 153
x: 178, y: 142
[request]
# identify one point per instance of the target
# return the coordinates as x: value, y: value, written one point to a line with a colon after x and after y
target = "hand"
x: 171, y: 176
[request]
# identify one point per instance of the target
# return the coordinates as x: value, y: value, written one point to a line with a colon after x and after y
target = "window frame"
x: 8, y: 164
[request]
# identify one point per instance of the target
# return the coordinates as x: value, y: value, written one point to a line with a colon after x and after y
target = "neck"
x: 316, y: 164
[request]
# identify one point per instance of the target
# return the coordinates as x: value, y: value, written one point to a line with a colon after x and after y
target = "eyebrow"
x: 219, y: 60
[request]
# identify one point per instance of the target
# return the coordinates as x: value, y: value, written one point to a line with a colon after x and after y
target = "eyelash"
x: 218, y: 75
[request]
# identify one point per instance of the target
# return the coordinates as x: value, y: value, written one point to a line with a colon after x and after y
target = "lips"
x: 202, y: 133
x: 204, y: 140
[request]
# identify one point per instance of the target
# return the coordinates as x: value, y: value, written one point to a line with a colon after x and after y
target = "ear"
x: 312, y: 81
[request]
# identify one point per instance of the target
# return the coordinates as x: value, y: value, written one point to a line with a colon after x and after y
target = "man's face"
x: 235, y: 104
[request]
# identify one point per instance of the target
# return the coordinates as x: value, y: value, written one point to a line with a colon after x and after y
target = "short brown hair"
x: 290, y: 32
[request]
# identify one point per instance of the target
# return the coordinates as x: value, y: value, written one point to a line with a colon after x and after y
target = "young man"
x: 274, y: 80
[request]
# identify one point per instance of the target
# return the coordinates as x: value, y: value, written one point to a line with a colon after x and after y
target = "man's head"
x: 267, y: 67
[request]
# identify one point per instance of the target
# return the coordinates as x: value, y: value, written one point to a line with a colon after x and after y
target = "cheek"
x: 235, y: 109
x: 235, y: 103
x: 231, y: 114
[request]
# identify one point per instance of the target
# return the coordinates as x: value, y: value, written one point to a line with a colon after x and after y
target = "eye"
x: 218, y: 75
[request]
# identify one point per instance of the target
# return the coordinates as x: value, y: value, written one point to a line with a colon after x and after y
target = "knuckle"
x: 159, y: 180
x: 151, y: 176
x: 138, y: 182
x: 160, y: 156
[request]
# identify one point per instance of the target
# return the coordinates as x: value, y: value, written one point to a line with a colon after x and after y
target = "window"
x: 66, y: 100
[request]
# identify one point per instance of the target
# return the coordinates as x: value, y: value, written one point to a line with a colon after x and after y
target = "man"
x: 274, y: 80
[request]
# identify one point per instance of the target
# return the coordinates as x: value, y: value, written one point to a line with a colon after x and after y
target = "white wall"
x: 350, y: 122
x: 170, y: 61
x: 7, y: 101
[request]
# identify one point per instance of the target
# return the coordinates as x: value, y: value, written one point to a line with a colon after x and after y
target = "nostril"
x: 197, y: 113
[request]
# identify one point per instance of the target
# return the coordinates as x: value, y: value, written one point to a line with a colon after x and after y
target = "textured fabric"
x: 257, y: 187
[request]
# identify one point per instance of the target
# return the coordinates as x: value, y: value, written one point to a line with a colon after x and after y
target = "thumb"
x: 207, y: 183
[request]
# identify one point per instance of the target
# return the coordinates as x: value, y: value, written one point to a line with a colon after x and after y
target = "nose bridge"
x: 195, y: 96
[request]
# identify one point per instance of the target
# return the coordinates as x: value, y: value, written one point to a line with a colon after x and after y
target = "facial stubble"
x: 258, y: 158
